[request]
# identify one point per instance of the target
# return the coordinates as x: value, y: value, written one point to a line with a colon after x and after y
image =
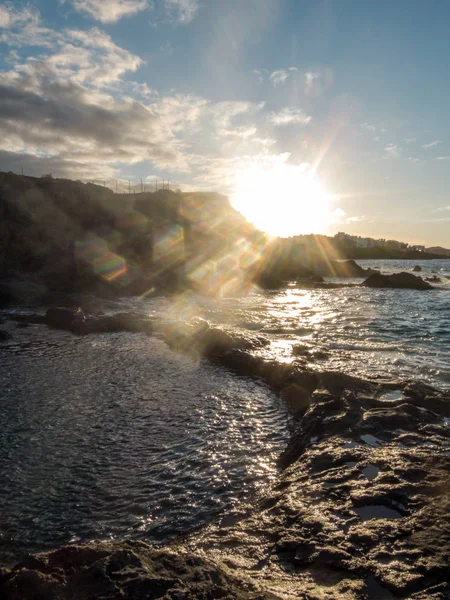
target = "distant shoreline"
x: 386, y: 254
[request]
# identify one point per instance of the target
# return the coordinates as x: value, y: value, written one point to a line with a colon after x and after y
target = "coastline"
x: 359, y: 510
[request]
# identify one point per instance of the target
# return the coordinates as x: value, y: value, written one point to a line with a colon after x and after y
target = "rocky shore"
x: 360, y: 509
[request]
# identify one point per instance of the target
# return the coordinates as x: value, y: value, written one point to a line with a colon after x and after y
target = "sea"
x: 115, y: 436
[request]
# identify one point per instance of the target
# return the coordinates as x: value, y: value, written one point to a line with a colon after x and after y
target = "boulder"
x: 347, y: 268
x: 433, y: 279
x: 417, y: 269
x: 309, y: 282
x: 397, y: 280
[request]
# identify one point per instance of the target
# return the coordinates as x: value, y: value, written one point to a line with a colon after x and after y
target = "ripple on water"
x: 116, y: 436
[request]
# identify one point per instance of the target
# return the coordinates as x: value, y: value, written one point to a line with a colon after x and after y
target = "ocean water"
x: 374, y: 333
x: 115, y: 436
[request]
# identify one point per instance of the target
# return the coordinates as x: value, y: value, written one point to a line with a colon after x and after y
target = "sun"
x: 281, y: 199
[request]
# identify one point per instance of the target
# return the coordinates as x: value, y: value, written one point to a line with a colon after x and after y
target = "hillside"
x: 443, y: 252
x: 65, y: 235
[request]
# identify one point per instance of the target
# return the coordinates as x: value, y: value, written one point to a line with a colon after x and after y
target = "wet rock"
x: 311, y: 353
x: 125, y: 571
x: 417, y: 269
x: 296, y: 398
x: 397, y: 280
x: 80, y: 323
x: 433, y: 279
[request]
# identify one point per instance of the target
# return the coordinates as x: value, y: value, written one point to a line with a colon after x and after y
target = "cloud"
x: 280, y: 76
x: 224, y: 112
x: 442, y: 158
x: 392, y: 151
x: 289, y: 116
x: 431, y: 144
x: 310, y: 77
x: 181, y: 11
x: 166, y: 49
x: 83, y: 57
x: 69, y: 111
x: 368, y: 127
x: 109, y: 11
x: 23, y: 27
x: 357, y: 219
x: 409, y: 140
x: 260, y: 74
x: 73, y: 109
x: 239, y: 132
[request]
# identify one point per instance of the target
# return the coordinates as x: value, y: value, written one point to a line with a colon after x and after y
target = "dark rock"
x: 20, y: 292
x: 125, y: 571
x: 80, y: 323
x: 4, y: 336
x: 397, y: 280
x: 309, y: 282
x: 433, y: 279
x: 417, y: 269
x: 296, y: 398
x: 331, y: 285
x: 347, y: 268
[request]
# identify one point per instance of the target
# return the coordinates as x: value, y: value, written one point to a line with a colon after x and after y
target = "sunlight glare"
x: 281, y: 199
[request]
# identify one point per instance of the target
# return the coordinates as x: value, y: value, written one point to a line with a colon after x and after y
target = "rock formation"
x: 397, y: 280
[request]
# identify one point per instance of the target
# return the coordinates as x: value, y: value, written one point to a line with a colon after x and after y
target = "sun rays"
x: 281, y: 199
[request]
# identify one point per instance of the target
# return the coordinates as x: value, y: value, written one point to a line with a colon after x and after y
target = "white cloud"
x: 431, y: 144
x: 392, y: 151
x: 239, y: 132
x: 443, y: 158
x: 358, y: 219
x: 368, y: 127
x: 73, y: 109
x: 23, y: 27
x: 281, y: 75
x: 409, y: 140
x: 289, y: 116
x: 109, y: 11
x: 310, y: 77
x: 181, y: 11
x: 259, y: 74
x: 223, y: 112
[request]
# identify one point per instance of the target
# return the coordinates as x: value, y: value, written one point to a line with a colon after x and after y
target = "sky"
x: 353, y: 93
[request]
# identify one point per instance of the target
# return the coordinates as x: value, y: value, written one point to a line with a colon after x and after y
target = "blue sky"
x: 197, y: 90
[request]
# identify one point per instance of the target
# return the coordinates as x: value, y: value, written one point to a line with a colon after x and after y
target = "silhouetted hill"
x: 69, y: 236
x: 442, y: 252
